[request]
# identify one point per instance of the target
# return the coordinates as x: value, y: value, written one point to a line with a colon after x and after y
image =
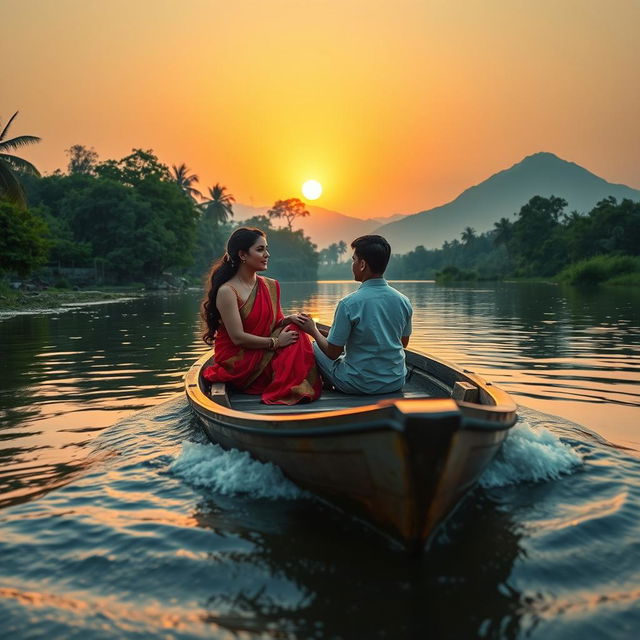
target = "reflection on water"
x: 66, y: 376
x: 132, y: 550
x: 121, y: 545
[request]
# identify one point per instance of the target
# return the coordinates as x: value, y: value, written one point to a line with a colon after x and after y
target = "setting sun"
x: 312, y: 189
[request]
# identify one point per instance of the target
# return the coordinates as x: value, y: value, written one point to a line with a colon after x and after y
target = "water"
x: 120, y: 521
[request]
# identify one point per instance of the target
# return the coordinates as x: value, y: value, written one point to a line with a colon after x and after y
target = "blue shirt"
x: 369, y: 323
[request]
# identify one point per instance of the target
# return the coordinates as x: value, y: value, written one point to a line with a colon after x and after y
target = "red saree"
x: 286, y: 376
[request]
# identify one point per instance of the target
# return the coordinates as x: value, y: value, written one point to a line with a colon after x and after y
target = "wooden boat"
x: 401, y: 462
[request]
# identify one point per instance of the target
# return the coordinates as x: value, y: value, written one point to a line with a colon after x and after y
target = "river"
x: 118, y: 519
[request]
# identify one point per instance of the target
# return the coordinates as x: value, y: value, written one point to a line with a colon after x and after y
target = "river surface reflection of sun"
x: 119, y: 522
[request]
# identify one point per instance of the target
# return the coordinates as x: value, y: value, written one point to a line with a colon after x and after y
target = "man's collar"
x: 374, y: 282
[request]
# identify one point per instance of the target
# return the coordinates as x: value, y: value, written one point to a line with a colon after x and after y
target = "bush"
x: 601, y: 269
x: 453, y: 274
x: 23, y: 243
x: 62, y: 283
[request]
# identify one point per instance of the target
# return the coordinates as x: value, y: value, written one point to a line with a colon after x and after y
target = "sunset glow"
x: 408, y: 103
x: 312, y: 189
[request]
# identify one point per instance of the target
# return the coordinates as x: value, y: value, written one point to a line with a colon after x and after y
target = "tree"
x: 342, y: 248
x: 81, y: 159
x: 468, y: 235
x: 289, y: 210
x: 10, y: 165
x: 138, y: 166
x: 23, y: 243
x: 503, y: 230
x: 537, y: 243
x: 185, y: 181
x: 219, y: 207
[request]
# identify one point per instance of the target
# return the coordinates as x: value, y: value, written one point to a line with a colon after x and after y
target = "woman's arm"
x: 227, y: 304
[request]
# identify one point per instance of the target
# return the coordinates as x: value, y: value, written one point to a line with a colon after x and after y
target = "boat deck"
x: 417, y: 386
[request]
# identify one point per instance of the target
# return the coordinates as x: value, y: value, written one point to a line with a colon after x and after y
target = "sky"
x: 394, y: 106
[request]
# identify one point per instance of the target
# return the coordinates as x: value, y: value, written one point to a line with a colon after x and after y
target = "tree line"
x: 542, y: 241
x: 130, y: 220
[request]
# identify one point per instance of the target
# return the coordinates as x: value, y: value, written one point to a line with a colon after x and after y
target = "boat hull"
x: 400, y: 465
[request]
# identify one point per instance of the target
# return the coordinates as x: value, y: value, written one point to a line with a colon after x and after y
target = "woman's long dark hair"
x: 223, y: 269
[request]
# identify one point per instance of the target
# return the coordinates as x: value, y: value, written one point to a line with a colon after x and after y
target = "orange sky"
x: 393, y: 106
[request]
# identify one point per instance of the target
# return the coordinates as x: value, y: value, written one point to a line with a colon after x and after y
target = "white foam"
x: 232, y: 472
x: 529, y: 455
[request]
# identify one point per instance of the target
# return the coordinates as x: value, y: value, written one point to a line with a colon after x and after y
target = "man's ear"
x: 362, y: 265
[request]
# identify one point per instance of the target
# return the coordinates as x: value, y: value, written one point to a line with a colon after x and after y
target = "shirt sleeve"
x: 407, y: 327
x: 341, y: 327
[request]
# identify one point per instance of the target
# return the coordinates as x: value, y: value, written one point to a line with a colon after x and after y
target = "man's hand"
x: 305, y: 323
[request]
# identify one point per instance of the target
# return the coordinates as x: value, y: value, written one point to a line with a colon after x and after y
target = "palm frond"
x: 10, y: 188
x: 20, y: 164
x: 6, y: 128
x: 20, y: 141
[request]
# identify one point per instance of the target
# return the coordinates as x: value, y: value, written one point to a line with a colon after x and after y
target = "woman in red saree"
x: 256, y: 348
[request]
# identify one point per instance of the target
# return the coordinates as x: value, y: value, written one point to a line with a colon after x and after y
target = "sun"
x: 312, y: 189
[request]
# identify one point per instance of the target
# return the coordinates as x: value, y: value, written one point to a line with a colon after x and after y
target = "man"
x: 371, y: 326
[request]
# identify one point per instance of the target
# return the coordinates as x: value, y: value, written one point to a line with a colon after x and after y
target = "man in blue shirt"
x: 364, y: 351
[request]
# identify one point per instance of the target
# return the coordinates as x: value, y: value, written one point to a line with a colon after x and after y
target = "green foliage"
x: 333, y: 253
x: 541, y: 242
x: 293, y: 256
x: 130, y: 218
x: 626, y: 280
x: 23, y: 239
x: 138, y: 166
x: 62, y: 283
x: 185, y: 181
x: 538, y: 242
x: 453, y: 274
x: 211, y: 239
x: 12, y: 167
x: 81, y: 159
x: 218, y: 208
x: 601, y: 269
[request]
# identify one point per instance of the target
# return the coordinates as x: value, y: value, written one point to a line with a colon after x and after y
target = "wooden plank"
x: 465, y: 392
x: 218, y: 393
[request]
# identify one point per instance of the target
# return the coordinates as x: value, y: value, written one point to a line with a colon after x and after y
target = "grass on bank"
x: 54, y: 297
x: 603, y: 269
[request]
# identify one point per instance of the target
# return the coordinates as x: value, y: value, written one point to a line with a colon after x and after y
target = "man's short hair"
x: 374, y: 250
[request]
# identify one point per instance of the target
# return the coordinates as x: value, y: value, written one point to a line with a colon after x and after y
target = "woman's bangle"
x: 275, y: 343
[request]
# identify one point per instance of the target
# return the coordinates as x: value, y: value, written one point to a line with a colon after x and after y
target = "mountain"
x: 502, y: 195
x: 323, y: 226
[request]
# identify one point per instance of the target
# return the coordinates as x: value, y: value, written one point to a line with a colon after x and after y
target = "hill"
x: 502, y: 195
x: 323, y: 226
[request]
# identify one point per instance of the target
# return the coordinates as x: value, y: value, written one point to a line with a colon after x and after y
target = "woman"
x: 256, y: 348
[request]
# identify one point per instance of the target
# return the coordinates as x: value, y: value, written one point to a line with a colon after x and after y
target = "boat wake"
x: 232, y: 472
x: 531, y: 453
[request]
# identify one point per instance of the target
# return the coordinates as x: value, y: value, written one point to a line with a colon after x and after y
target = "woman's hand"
x: 287, y: 337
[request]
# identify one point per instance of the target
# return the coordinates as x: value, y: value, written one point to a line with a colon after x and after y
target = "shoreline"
x: 55, y: 301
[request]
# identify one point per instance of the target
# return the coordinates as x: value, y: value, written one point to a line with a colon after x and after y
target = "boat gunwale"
x: 474, y: 416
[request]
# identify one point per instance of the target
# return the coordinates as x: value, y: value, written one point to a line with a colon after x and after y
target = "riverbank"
x: 13, y: 302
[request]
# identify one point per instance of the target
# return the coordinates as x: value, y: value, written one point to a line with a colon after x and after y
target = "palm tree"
x: 503, y: 231
x: 10, y: 165
x: 182, y: 178
x: 468, y: 235
x: 219, y: 207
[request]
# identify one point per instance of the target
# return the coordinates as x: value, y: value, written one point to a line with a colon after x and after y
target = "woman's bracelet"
x: 274, y: 343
